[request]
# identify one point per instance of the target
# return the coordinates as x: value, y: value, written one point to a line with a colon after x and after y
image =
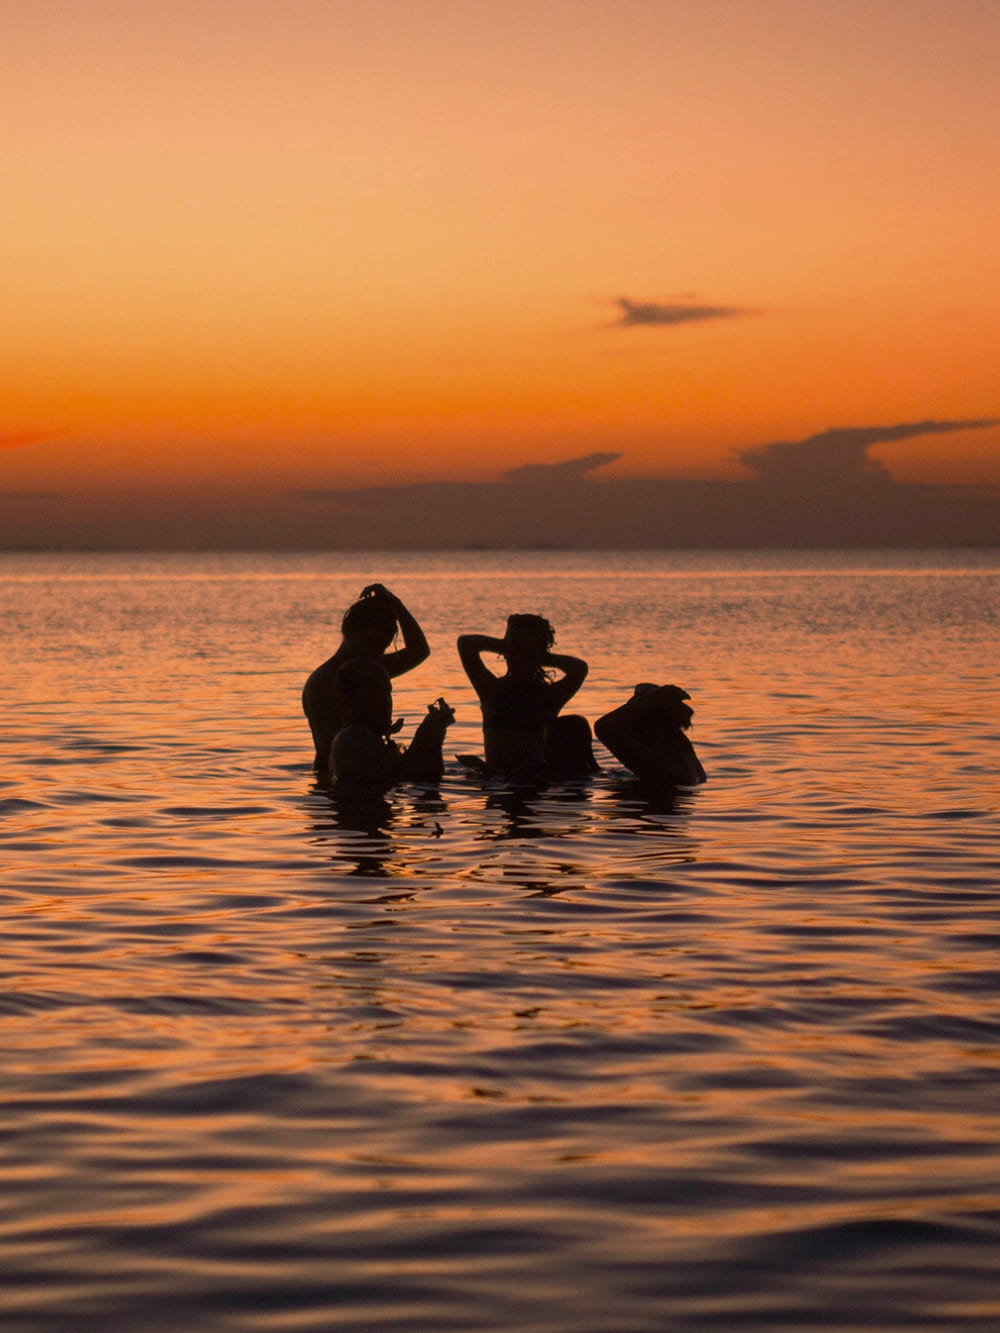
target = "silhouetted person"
x: 524, y: 738
x: 647, y: 735
x: 364, y: 760
x: 368, y: 627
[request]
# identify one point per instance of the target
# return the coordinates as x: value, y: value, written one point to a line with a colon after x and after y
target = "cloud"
x: 17, y: 438
x: 655, y: 314
x: 841, y: 455
x: 571, y: 469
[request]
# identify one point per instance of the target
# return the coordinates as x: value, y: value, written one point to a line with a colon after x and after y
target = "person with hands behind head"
x: 369, y: 627
x: 647, y: 734
x: 524, y: 738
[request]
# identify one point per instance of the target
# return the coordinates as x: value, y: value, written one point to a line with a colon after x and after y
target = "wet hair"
x: 535, y: 634
x: 535, y: 630
x: 371, y: 617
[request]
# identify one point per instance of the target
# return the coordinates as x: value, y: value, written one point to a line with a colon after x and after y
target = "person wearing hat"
x: 647, y: 735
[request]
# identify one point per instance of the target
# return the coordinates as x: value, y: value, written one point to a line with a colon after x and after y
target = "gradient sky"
x: 251, y: 244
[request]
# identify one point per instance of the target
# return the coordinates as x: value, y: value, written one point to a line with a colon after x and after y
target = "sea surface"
x: 584, y: 1060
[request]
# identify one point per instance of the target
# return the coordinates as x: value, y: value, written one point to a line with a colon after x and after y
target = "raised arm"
x: 574, y: 673
x: 470, y: 651
x: 415, y: 648
x: 422, y: 760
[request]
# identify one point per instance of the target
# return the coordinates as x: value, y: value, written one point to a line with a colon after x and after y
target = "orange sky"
x: 325, y: 243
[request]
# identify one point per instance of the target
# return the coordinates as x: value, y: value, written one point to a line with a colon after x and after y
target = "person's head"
x: 527, y: 641
x: 365, y: 693
x: 370, y: 622
x: 569, y: 748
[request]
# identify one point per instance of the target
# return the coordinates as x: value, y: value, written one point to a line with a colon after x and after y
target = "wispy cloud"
x: 15, y: 439
x: 841, y: 454
x: 570, y: 469
x: 659, y: 314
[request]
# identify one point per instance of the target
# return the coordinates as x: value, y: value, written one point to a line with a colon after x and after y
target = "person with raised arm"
x: 369, y: 627
x: 524, y: 737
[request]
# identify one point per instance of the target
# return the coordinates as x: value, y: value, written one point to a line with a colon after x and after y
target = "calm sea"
x: 573, y: 1062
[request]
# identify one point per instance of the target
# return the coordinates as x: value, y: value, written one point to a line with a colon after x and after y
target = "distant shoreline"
x: 486, y: 549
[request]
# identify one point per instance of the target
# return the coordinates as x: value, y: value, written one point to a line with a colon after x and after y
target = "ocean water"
x: 577, y: 1061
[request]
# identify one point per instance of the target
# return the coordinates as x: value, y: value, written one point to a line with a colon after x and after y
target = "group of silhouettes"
x: 526, y: 737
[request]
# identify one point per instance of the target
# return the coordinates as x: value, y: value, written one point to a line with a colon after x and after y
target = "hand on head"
x: 380, y: 591
x: 372, y: 619
x: 528, y: 640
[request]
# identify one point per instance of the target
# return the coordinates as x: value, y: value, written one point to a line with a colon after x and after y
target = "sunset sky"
x: 253, y: 246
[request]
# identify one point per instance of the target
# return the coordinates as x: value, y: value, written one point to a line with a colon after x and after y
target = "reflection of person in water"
x: 523, y: 735
x: 647, y: 735
x: 364, y: 760
x: 369, y: 627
